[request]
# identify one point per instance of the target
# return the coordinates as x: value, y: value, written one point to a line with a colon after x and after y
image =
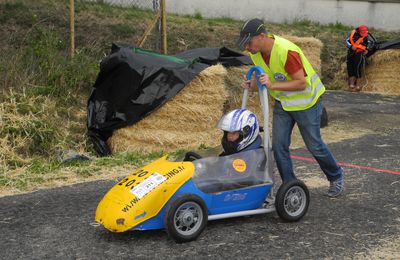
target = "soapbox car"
x: 181, y: 196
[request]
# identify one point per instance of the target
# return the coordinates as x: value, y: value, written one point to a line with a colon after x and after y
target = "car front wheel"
x: 186, y: 218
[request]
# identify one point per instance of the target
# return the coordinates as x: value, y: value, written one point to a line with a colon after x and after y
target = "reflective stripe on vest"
x: 290, y: 100
x: 357, y: 44
x: 303, y: 101
x: 308, y: 89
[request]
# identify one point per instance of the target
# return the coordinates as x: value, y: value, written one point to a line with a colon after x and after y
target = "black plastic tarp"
x: 133, y: 82
x: 212, y: 56
x: 392, y: 44
x: 383, y: 45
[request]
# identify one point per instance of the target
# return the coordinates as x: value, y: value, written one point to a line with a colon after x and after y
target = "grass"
x: 43, y: 92
x: 39, y: 172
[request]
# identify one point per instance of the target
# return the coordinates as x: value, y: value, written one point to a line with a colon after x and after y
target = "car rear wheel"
x: 292, y: 200
x: 186, y: 218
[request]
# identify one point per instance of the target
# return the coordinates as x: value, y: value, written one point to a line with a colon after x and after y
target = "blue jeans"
x: 308, y: 122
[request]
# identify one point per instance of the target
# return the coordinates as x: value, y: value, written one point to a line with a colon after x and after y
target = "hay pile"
x: 381, y: 74
x: 311, y: 48
x: 186, y: 121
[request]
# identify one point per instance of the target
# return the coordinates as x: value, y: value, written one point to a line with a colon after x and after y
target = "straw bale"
x: 311, y: 48
x: 186, y: 121
x: 381, y: 74
x: 384, y: 56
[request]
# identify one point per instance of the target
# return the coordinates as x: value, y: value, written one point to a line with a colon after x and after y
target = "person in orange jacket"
x: 360, y: 44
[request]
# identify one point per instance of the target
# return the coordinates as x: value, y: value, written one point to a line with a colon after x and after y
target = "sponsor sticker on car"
x: 148, y: 185
x: 239, y: 165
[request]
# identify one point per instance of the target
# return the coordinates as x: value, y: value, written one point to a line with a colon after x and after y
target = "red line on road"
x: 309, y: 159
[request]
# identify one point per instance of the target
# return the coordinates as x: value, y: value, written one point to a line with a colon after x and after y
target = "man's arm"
x: 347, y: 41
x: 298, y: 82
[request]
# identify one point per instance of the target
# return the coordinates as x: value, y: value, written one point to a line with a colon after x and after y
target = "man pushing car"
x: 297, y: 89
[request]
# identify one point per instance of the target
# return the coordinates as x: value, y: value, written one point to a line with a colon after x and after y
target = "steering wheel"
x: 191, y: 156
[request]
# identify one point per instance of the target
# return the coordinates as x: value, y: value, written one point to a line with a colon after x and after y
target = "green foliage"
x: 223, y: 21
x: 104, y: 9
x: 9, y: 11
x: 40, y: 170
x: 47, y: 58
x: 38, y: 167
x: 3, y: 180
x: 122, y: 30
x: 198, y: 16
x: 204, y: 147
x: 339, y: 27
x: 134, y: 158
x: 28, y: 128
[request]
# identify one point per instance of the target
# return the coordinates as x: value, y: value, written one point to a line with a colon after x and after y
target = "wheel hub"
x: 188, y: 218
x: 295, y: 201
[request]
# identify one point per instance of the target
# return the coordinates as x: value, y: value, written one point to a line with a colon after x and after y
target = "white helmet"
x: 245, y: 122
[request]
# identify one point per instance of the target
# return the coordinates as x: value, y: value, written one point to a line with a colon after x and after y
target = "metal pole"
x: 245, y: 97
x: 157, y: 8
x: 164, y: 27
x: 241, y: 213
x: 72, y: 25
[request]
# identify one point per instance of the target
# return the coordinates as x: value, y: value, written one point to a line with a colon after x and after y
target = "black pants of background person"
x: 355, y: 65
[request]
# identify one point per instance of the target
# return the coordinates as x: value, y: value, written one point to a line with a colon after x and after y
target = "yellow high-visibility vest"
x: 290, y: 100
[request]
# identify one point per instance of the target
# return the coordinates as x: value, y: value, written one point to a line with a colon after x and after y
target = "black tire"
x: 198, y: 222
x: 292, y: 200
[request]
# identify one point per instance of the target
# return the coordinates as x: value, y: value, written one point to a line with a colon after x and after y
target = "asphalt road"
x: 58, y: 223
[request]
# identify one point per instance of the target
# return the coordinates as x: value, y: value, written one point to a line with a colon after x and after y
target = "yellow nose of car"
x: 141, y: 195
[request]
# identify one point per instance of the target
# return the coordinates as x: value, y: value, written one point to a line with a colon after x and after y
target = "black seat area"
x: 216, y: 185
